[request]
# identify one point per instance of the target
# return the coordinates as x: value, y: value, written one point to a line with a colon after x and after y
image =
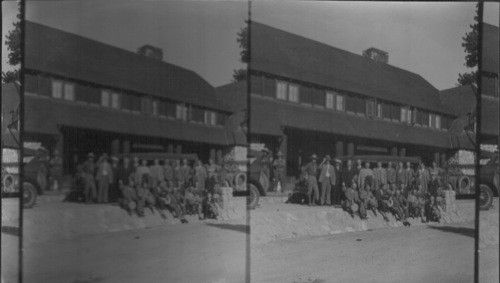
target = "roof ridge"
x: 345, y: 51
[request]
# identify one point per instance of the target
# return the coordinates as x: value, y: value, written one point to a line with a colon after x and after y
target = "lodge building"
x: 85, y: 96
x: 308, y: 97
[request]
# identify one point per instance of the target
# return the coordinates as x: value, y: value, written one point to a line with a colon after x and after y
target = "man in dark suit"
x: 337, y: 187
x: 348, y: 174
x: 327, y: 178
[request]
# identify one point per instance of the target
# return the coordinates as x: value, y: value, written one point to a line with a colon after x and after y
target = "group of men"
x: 396, y: 189
x: 172, y: 185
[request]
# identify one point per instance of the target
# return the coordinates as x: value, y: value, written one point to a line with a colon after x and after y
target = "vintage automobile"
x: 489, y: 182
x: 35, y: 178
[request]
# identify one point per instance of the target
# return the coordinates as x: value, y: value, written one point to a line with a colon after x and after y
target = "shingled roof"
x: 281, y: 53
x: 461, y: 99
x: 69, y: 55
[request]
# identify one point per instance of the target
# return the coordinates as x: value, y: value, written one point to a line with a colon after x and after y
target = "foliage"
x: 242, y: 39
x: 470, y: 45
x: 13, y: 43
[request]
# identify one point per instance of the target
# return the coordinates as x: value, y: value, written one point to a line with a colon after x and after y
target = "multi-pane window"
x: 105, y: 97
x: 293, y: 92
x: 379, y: 110
x: 339, y: 102
x: 281, y: 90
x: 115, y: 100
x: 438, y: 122
x: 432, y: 120
x: 210, y: 118
x: 330, y: 98
x: 155, y: 108
x: 69, y: 91
x: 370, y: 108
x: 350, y: 104
x: 181, y: 112
x: 57, y: 89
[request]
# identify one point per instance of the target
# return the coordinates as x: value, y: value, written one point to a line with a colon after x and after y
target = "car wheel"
x: 485, y: 197
x: 253, y: 198
x: 29, y: 195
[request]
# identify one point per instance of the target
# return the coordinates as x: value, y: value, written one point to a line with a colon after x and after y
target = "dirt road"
x: 416, y: 254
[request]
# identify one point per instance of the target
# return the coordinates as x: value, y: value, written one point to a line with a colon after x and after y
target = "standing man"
x: 156, y: 173
x: 348, y: 174
x: 365, y: 173
x: 125, y: 172
x: 55, y: 166
x: 337, y: 187
x: 423, y: 179
x: 168, y: 171
x: 327, y: 178
x: 140, y: 171
x: 200, y: 173
x: 410, y: 176
x: 391, y: 174
x: 88, y: 169
x: 401, y: 178
x: 379, y: 176
x: 178, y: 173
x: 186, y: 172
x: 114, y: 191
x: 279, y: 166
x: 312, y: 183
x: 104, y: 178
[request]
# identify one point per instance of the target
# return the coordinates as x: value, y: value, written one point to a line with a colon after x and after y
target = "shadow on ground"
x: 10, y: 230
x: 236, y: 227
x: 459, y: 230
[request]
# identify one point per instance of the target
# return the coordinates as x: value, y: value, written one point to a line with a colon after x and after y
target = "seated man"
x: 413, y: 204
x: 352, y: 198
x: 145, y: 197
x: 170, y: 201
x: 129, y: 196
x: 194, y: 201
x: 402, y: 205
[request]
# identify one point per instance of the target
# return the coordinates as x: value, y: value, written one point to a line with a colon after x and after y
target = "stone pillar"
x: 339, y: 149
x: 212, y: 154
x: 394, y: 151
x: 436, y: 157
x: 126, y: 147
x: 443, y: 159
x: 350, y: 149
x: 170, y: 148
x: 219, y: 157
x: 178, y: 148
x: 402, y: 152
x: 115, y: 146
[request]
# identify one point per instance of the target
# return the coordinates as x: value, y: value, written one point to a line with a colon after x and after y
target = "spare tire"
x: 253, y: 197
x: 463, y: 185
x: 8, y: 183
x: 240, y: 181
x: 485, y: 197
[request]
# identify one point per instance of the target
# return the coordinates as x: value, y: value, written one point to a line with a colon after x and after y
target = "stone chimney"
x: 376, y: 55
x: 151, y: 52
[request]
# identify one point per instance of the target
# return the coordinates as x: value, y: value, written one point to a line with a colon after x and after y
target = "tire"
x: 253, y: 198
x: 8, y: 183
x: 463, y: 185
x: 485, y: 197
x: 240, y: 181
x: 29, y: 195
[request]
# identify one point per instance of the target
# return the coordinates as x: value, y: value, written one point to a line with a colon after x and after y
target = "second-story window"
x: 181, y: 112
x: 404, y: 114
x: 370, y: 108
x: 330, y: 99
x: 105, y: 97
x: 115, y: 100
x: 57, y: 89
x: 69, y: 91
x: 438, y: 122
x: 379, y: 110
x: 210, y: 117
x: 281, y: 90
x: 339, y: 102
x: 155, y: 108
x: 293, y: 93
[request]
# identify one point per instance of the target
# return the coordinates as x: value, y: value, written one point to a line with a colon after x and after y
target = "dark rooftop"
x: 289, y: 55
x: 69, y: 55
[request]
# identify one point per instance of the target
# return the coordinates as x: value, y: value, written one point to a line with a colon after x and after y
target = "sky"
x: 424, y: 38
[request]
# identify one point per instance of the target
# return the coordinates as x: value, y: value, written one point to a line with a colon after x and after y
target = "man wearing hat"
x: 104, y: 177
x: 88, y: 169
x: 279, y: 166
x: 327, y: 177
x: 337, y: 187
x: 312, y: 183
x: 114, y: 191
x: 265, y: 162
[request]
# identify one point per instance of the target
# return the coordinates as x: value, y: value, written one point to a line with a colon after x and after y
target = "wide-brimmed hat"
x: 328, y: 158
x: 314, y: 156
x: 338, y: 161
x: 90, y: 154
x: 279, y: 153
x: 114, y: 158
x: 265, y: 150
